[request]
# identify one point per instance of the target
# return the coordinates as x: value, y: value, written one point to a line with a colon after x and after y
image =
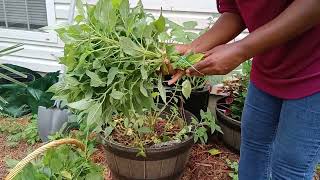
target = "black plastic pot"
x: 161, y: 163
x: 231, y: 129
x: 198, y: 101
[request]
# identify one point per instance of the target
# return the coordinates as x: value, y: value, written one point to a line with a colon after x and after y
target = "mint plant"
x: 113, y: 55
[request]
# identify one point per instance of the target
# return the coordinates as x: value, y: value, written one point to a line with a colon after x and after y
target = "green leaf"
x: 94, y: 114
x: 95, y: 80
x: 143, y: 73
x: 143, y: 90
x: 80, y: 8
x: 162, y: 91
x: 124, y: 9
x: 164, y: 36
x: 129, y: 47
x: 11, y: 163
x: 192, y: 36
x: 112, y: 74
x: 141, y: 153
x: 81, y: 105
x: 190, y: 24
x: 66, y: 174
x: 194, y: 58
x: 105, y: 14
x: 145, y: 130
x: 186, y: 89
x: 126, y: 122
x: 160, y: 23
x: 94, y: 176
x: 108, y: 131
x: 96, y: 64
x: 214, y: 151
x: 116, y: 3
x: 116, y: 94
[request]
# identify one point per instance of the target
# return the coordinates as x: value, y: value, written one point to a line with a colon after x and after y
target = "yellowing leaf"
x: 194, y: 58
x: 66, y: 174
x: 214, y: 152
x: 186, y: 89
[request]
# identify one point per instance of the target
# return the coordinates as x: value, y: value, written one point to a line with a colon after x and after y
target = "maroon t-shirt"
x: 289, y: 71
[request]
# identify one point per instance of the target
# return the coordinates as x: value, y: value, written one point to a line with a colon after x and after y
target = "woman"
x: 281, y: 119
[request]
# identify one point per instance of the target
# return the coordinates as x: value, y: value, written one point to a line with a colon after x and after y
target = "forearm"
x: 226, y: 28
x: 299, y: 17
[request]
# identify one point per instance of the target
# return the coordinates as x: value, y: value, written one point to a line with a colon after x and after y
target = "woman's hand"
x: 219, y: 61
x: 168, y: 69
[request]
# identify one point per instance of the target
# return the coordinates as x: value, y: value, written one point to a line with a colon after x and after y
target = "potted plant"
x: 229, y: 108
x: 199, y: 97
x: 112, y: 55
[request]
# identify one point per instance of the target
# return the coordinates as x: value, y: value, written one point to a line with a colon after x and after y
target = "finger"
x: 208, y: 53
x: 176, y: 77
x: 199, y: 66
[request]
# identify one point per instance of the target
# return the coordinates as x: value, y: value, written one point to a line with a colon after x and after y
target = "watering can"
x: 51, y: 120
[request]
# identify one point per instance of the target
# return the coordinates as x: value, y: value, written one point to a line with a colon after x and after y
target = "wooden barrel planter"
x: 160, y: 163
x: 231, y: 129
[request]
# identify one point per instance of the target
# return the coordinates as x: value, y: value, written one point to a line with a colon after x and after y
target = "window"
x: 23, y: 14
x: 21, y: 19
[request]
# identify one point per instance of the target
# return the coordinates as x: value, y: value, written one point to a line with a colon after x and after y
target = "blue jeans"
x: 280, y: 139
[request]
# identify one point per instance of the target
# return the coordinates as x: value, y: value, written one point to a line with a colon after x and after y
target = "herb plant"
x: 63, y: 162
x: 18, y: 132
x: 113, y: 55
x: 234, y: 166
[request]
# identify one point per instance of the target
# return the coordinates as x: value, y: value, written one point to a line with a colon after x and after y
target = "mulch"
x: 201, y: 166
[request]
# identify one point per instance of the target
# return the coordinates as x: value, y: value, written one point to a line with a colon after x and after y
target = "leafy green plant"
x: 64, y: 162
x: 207, y: 122
x: 234, y: 166
x: 112, y: 55
x: 18, y: 132
x: 22, y: 100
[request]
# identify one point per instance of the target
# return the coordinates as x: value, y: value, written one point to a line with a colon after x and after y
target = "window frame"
x: 21, y: 34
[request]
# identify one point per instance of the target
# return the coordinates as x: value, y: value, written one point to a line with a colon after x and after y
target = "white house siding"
x: 41, y: 56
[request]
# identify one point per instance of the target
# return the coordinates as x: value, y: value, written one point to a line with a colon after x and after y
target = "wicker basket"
x: 19, y: 167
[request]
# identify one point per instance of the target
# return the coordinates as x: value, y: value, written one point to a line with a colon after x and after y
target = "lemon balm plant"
x: 113, y: 55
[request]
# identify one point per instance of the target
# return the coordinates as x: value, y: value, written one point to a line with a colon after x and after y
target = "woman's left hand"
x: 219, y: 61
